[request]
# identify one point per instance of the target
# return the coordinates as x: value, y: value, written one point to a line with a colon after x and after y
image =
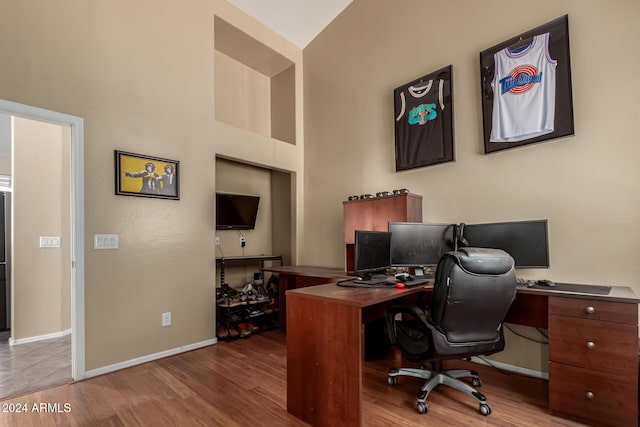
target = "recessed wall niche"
x: 255, y: 85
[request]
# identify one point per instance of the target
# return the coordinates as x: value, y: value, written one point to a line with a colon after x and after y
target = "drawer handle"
x: 590, y: 310
x: 591, y: 345
x: 590, y: 395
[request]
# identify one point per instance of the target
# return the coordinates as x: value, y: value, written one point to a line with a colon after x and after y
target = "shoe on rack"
x: 222, y: 332
x: 251, y: 294
x: 242, y: 297
x: 225, y: 331
x: 244, y: 330
x: 261, y: 292
x: 253, y: 328
x: 228, y: 301
x: 226, y: 289
x: 272, y: 287
x: 254, y: 312
x: 219, y: 294
x: 233, y: 332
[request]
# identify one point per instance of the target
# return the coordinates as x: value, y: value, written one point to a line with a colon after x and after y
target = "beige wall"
x: 243, y: 96
x: 41, y: 280
x: 142, y: 75
x: 586, y: 185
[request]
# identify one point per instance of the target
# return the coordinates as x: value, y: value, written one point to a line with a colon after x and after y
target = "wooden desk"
x: 300, y: 276
x: 325, y: 351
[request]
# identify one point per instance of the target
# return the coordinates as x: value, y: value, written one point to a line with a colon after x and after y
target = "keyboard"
x: 416, y: 282
x: 379, y: 282
x: 376, y: 281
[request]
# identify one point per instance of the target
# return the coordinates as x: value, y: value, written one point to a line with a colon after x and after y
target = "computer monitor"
x: 419, y: 244
x: 371, y: 252
x: 526, y: 241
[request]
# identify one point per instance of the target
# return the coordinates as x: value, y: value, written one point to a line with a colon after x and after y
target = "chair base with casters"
x: 449, y: 378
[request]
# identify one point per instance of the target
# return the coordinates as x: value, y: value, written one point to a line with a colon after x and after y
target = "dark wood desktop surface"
x: 301, y: 276
x: 325, y: 348
x: 304, y: 270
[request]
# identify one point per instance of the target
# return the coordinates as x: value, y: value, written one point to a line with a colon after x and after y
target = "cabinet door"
x: 357, y: 216
x: 388, y: 210
x: 376, y: 214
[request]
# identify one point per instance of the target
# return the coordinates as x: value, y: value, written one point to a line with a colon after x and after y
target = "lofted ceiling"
x: 298, y: 21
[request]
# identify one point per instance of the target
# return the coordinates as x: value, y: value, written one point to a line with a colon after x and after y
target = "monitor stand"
x: 374, y: 275
x: 426, y: 272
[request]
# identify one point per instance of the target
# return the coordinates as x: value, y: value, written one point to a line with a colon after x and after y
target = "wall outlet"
x: 243, y: 242
x: 166, y: 319
x: 217, y: 240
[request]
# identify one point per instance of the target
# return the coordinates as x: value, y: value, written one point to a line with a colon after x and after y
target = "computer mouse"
x: 399, y: 285
x: 401, y: 277
x: 547, y: 283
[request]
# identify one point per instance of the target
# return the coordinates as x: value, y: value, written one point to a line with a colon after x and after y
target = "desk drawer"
x: 605, y: 346
x: 613, y: 400
x: 618, y: 312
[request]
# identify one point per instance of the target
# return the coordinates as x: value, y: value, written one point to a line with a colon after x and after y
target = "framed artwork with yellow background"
x: 146, y: 176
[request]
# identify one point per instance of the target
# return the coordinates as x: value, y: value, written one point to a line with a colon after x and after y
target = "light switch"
x: 105, y: 241
x: 49, y: 241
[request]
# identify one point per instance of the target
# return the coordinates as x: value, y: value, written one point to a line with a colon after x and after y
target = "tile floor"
x: 33, y: 366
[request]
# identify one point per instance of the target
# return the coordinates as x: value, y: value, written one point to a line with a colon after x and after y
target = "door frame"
x: 77, y: 221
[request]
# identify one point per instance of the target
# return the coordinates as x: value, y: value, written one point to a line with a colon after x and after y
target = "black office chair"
x: 473, y: 290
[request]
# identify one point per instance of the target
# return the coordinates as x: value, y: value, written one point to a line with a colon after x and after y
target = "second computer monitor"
x: 371, y: 252
x: 416, y: 244
x: 525, y: 241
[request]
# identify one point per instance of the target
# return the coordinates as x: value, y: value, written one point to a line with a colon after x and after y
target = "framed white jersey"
x: 524, y: 92
x: 526, y: 88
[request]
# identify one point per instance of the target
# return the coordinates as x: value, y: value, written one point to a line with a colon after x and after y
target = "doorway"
x: 74, y: 267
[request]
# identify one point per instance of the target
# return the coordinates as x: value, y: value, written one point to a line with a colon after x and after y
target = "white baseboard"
x: 148, y: 358
x: 511, y: 368
x: 39, y: 338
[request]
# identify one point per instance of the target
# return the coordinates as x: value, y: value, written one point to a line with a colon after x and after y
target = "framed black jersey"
x: 423, y: 118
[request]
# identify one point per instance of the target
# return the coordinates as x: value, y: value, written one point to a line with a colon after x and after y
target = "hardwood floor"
x: 243, y: 383
x: 32, y: 366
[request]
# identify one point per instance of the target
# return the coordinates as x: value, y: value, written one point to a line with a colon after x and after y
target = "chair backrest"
x: 473, y: 290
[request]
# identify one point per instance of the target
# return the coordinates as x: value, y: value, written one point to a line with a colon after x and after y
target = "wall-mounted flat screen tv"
x: 236, y: 211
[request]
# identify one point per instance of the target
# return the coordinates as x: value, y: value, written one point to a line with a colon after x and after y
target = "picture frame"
x: 146, y: 176
x: 558, y: 124
x: 423, y: 116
